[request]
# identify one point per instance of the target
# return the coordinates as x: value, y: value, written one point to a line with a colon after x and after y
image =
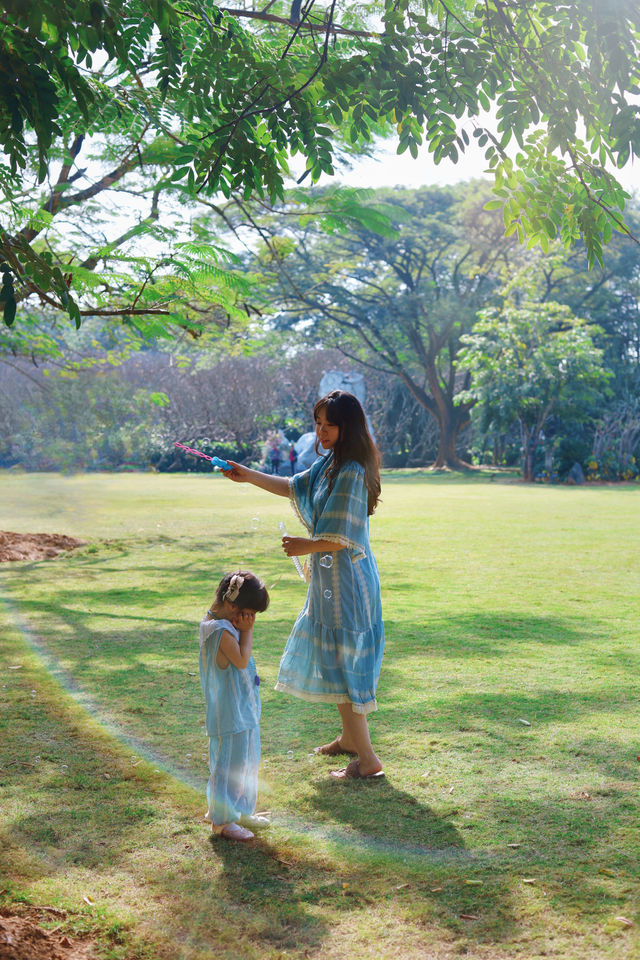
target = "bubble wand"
x: 215, y: 461
x: 295, y: 560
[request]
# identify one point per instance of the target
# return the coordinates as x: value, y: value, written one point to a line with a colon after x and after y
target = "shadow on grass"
x: 491, y: 635
x: 382, y: 818
x: 269, y: 896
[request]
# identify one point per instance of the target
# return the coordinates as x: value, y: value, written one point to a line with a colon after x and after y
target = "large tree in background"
x: 528, y: 362
x: 607, y: 295
x: 399, y: 302
x: 220, y: 98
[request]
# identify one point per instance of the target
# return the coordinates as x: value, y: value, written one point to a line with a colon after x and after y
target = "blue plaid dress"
x: 233, y: 725
x: 335, y: 649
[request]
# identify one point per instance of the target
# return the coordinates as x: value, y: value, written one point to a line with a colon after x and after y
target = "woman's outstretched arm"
x: 266, y: 481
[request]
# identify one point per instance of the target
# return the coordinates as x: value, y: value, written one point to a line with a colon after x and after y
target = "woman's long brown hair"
x: 354, y: 440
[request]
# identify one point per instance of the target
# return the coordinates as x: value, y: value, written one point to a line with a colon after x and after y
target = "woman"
x: 335, y: 649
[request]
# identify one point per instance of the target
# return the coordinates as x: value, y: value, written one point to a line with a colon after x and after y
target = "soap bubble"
x: 37, y: 759
x: 328, y: 594
x: 255, y: 523
x: 326, y: 561
x: 188, y: 755
x: 65, y: 767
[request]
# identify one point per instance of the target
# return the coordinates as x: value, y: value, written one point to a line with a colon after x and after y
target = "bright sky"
x: 388, y: 169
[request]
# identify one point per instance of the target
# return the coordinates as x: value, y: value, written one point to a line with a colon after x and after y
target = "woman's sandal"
x: 334, y: 749
x: 352, y: 772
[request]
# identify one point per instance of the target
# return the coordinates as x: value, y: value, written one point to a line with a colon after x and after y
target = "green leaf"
x: 9, y: 312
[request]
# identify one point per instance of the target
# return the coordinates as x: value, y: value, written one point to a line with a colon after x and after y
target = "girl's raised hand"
x: 244, y: 620
x: 238, y: 473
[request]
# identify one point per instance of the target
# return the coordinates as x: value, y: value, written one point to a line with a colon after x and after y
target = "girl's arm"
x: 266, y: 481
x: 299, y: 546
x: 238, y: 652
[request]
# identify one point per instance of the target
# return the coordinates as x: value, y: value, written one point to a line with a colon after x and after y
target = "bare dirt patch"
x: 22, y: 939
x: 34, y: 546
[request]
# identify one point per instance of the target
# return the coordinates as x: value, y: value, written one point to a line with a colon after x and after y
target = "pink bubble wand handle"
x: 215, y: 461
x: 295, y: 560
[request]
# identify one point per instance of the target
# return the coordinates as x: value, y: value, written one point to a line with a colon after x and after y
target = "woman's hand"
x: 266, y: 481
x: 238, y: 473
x: 296, y: 546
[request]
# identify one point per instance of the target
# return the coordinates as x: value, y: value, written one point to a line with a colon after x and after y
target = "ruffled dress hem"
x: 363, y: 708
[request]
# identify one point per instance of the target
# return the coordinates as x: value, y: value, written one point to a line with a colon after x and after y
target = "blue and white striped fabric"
x: 233, y: 725
x: 231, y: 695
x: 232, y: 789
x: 335, y: 649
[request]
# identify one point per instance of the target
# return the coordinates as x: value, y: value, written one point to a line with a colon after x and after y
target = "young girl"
x: 230, y: 687
x: 335, y: 650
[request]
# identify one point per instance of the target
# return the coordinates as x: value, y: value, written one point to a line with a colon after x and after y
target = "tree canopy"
x: 529, y: 361
x: 221, y: 98
x: 399, y: 300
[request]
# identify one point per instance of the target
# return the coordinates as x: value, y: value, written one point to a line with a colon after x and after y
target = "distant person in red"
x: 275, y: 460
x: 293, y: 456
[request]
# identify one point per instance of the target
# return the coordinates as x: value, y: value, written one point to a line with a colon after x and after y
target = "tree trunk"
x: 529, y: 447
x: 450, y: 425
x: 529, y: 462
x: 449, y: 417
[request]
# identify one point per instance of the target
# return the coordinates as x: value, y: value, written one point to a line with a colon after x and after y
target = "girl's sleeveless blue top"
x: 231, y: 695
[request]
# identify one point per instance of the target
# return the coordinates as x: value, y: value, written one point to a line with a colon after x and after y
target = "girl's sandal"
x: 334, y: 749
x: 232, y: 831
x: 256, y: 821
x: 352, y: 772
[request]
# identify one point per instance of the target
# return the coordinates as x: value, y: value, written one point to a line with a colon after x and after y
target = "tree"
x: 399, y: 301
x: 527, y: 362
x: 223, y: 96
x: 607, y: 295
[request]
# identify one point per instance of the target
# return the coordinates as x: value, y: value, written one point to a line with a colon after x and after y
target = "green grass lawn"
x: 509, y: 727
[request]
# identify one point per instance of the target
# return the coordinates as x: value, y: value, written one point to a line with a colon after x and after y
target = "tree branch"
x: 318, y: 27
